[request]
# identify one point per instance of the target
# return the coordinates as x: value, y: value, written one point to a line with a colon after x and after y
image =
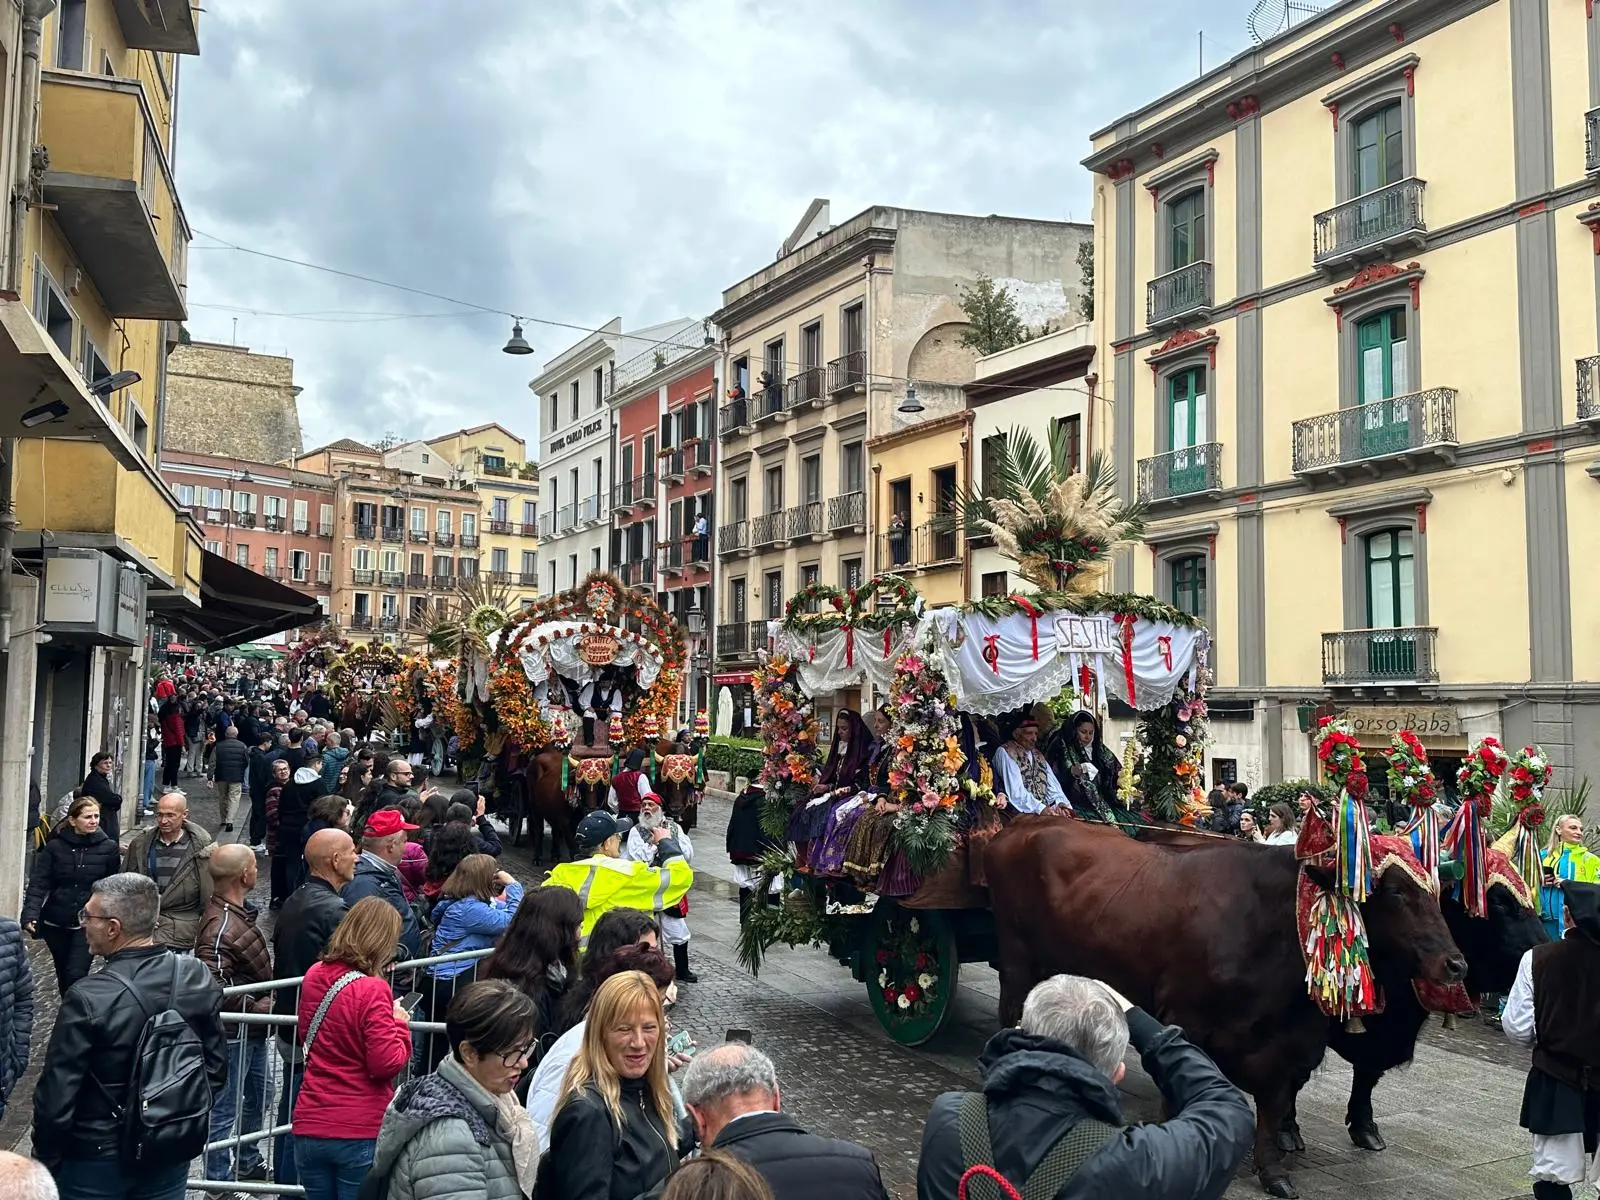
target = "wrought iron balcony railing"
x: 847, y: 511
x: 768, y: 401
x: 1362, y: 657
x: 444, y: 539
x: 1185, y: 292
x: 1591, y: 141
x: 469, y: 541
x: 938, y: 542
x: 1588, y: 391
x: 733, y: 639
x: 273, y: 523
x: 361, y: 621
x: 1194, y: 470
x: 769, y: 528
x: 361, y: 578
x: 444, y: 581
x: 392, y: 579
x: 733, y: 416
x: 499, y: 576
x: 416, y: 579
x: 758, y: 635
x: 1397, y: 429
x: 733, y: 537
x: 698, y: 459
x: 393, y: 533
x: 670, y: 555
x: 419, y: 536
x: 805, y: 520
x: 528, y: 529
x: 848, y: 373
x: 528, y: 578
x: 672, y: 467
x: 496, y: 525
x: 805, y: 387
x: 244, y: 520
x: 1371, y: 225
x: 389, y: 622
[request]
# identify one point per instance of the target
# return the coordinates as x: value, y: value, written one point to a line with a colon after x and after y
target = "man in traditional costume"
x: 1023, y: 776
x: 1552, y: 1009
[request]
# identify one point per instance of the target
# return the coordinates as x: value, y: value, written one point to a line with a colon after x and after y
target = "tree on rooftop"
x: 993, y: 323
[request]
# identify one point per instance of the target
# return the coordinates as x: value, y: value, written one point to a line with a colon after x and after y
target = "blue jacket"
x: 470, y: 924
x: 333, y: 760
x: 374, y: 877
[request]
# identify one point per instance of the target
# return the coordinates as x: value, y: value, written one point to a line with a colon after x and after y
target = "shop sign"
x: 1428, y: 722
x: 576, y: 435
x: 82, y: 597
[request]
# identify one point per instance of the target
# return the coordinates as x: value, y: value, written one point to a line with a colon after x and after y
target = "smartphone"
x: 738, y: 1035
x: 410, y: 1001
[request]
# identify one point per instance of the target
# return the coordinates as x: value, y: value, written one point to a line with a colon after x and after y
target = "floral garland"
x: 516, y: 710
x: 654, y: 625
x: 378, y: 657
x: 1147, y: 607
x: 925, y: 761
x: 1464, y: 838
x: 1411, y: 782
x: 1339, y: 752
x: 414, y: 668
x: 799, y: 606
x: 1172, y: 743
x: 1528, y: 776
x: 908, y: 967
x: 855, y: 607
x: 317, y: 649
x: 788, y: 723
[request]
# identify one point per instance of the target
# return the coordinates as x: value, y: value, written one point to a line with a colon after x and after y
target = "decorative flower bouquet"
x: 909, y: 972
x: 1411, y: 782
x: 1464, y: 838
x: 1480, y: 772
x: 925, y: 762
x: 1128, y: 779
x: 789, y: 728
x: 1172, y: 748
x: 1338, y: 964
x: 1528, y: 776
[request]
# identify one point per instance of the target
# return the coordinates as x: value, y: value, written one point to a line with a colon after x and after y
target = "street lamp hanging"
x: 517, y: 343
x: 910, y: 404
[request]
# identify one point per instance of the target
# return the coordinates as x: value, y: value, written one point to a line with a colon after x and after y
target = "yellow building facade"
x: 1346, y: 299
x: 917, y: 473
x: 495, y: 462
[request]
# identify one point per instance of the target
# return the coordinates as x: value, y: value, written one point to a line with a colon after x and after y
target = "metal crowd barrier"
x: 254, y: 1115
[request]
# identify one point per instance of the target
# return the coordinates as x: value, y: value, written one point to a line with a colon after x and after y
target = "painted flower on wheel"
x: 910, y: 975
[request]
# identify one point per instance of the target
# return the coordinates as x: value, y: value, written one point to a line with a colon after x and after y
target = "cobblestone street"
x: 1450, y: 1119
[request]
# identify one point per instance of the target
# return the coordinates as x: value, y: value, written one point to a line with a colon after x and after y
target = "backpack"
x: 166, y: 1114
x: 1058, y: 1166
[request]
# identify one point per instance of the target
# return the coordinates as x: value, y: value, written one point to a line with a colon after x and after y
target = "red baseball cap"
x: 385, y: 822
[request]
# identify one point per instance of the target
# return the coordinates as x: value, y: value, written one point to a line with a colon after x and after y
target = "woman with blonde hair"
x: 355, y: 1038
x: 614, y: 1136
x: 1566, y: 857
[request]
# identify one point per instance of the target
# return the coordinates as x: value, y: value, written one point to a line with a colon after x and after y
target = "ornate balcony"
x: 698, y: 458
x: 672, y: 467
x: 1588, y: 391
x: 444, y: 582
x: 361, y: 578
x: 389, y: 622
x: 758, y: 635
x: 416, y: 579
x: 805, y: 387
x: 848, y: 513
x: 498, y: 526
x: 244, y: 520
x: 420, y: 536
x: 273, y: 523
x: 391, y: 579
x: 733, y: 640
x: 500, y: 577
x: 769, y: 529
x: 469, y: 541
x: 1372, y: 437
x: 1181, y: 474
x: 670, y: 555
x: 733, y: 418
x: 733, y: 538
x: 528, y: 529
x: 528, y: 578
x: 1179, y: 295
x: 361, y: 621
x: 805, y: 521
x: 393, y: 533
x: 645, y: 490
x: 769, y: 403
x: 1372, y: 226
x: 848, y: 373
x: 444, y: 539
x: 1380, y: 657
x: 1591, y: 141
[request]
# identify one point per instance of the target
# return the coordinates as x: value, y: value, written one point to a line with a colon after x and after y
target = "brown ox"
x: 675, y: 776
x: 1203, y: 938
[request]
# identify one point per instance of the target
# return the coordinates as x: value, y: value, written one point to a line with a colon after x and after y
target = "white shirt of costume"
x: 1009, y: 780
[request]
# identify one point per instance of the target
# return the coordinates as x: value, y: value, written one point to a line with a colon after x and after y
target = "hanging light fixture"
x: 518, y: 344
x: 911, y: 404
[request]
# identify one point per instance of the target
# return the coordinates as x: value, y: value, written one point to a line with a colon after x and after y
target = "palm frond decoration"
x: 478, y: 609
x: 1055, y: 522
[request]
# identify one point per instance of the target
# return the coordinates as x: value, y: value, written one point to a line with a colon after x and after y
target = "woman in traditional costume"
x: 1086, y: 767
x: 845, y: 817
x: 1565, y: 858
x: 842, y: 776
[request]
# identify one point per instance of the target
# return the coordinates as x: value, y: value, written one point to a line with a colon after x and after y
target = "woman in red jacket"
x: 356, y: 1040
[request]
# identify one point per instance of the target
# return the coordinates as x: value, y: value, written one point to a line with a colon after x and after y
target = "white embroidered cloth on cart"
x: 561, y: 652
x: 997, y: 664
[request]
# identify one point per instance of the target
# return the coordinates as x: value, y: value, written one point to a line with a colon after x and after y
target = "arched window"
x: 1189, y: 584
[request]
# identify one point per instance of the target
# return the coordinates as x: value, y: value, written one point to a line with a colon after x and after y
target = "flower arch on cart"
x: 370, y: 666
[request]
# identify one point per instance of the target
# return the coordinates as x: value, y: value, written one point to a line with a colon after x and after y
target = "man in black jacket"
x: 261, y: 760
x: 1054, y: 1080
x: 305, y: 924
x: 229, y: 762
x: 732, y: 1094
x: 90, y: 1060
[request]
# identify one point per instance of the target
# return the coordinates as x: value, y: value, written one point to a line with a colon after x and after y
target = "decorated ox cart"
x: 905, y: 902
x: 550, y: 699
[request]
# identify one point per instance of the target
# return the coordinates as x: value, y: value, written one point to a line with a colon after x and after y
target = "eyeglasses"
x: 85, y: 915
x: 519, y: 1056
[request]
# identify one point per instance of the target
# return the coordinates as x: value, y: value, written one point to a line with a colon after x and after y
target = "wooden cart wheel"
x: 908, y: 947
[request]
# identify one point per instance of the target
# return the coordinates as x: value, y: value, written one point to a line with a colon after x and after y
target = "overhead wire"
x: 647, y: 343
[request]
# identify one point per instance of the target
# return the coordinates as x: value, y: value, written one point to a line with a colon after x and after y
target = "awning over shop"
x: 38, y: 382
x: 237, y: 605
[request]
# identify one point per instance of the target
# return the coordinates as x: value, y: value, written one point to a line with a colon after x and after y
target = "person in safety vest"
x: 606, y: 880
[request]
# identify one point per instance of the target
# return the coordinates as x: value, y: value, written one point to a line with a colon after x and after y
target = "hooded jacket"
x: 374, y: 877
x: 1038, y: 1089
x: 333, y: 761
x: 469, y: 924
x: 187, y: 892
x: 294, y: 807
x: 442, y: 1136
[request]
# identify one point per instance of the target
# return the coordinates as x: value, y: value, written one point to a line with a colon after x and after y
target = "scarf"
x: 517, y: 1125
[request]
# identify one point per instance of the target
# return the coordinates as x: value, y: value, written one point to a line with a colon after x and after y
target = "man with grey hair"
x: 1050, y: 1114
x: 88, y: 1066
x: 732, y: 1093
x: 24, y: 1179
x: 383, y: 845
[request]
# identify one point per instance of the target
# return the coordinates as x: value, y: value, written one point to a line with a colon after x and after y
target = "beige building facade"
x: 227, y: 401
x: 1346, y: 304
x: 852, y: 334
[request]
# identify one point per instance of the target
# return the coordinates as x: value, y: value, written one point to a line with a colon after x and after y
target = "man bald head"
x: 331, y: 856
x: 233, y: 871
x: 24, y: 1179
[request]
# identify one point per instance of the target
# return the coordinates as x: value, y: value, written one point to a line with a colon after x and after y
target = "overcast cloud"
x: 581, y: 159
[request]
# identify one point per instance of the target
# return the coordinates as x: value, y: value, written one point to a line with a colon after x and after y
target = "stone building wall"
x: 227, y: 401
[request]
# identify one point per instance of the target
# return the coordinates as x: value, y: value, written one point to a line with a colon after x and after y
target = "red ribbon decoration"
x: 811, y: 654
x: 888, y: 633
x: 1085, y: 680
x: 991, y: 651
x: 1126, y: 620
x: 849, y: 645
x: 1027, y: 606
x: 1164, y: 644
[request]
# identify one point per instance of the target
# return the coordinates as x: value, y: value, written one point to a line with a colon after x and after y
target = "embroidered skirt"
x: 830, y: 856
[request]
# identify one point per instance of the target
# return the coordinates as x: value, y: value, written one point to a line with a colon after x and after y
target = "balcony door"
x: 1391, y: 604
x: 1186, y: 230
x: 1382, y: 375
x: 1187, y: 425
x: 1189, y: 585
x: 1378, y: 160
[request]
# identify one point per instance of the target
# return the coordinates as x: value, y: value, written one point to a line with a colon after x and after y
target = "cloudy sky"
x: 577, y: 160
